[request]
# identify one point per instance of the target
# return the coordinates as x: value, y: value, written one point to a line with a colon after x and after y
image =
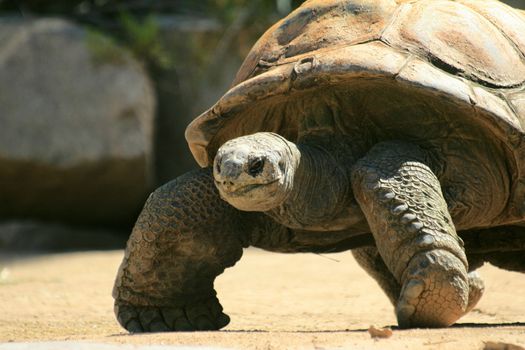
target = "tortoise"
x: 391, y: 127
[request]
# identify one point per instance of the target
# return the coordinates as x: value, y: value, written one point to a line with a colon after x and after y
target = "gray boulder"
x: 76, y: 125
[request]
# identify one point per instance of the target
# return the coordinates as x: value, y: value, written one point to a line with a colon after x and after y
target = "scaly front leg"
x: 402, y: 201
x: 185, y: 236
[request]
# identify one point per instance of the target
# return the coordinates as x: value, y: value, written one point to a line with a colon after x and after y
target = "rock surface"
x: 76, y: 117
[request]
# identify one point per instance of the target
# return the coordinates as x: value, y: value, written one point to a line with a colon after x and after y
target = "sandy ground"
x: 275, y: 302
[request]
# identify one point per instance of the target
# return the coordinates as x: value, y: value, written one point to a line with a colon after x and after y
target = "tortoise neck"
x: 321, y: 191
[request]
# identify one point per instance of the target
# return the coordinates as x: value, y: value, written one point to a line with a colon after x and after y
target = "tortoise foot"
x: 476, y: 289
x: 203, y: 316
x: 435, y: 292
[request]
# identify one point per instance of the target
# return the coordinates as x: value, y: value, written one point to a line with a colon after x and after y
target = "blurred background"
x: 95, y: 96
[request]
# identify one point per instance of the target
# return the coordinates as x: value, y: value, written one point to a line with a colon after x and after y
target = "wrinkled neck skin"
x: 320, y: 197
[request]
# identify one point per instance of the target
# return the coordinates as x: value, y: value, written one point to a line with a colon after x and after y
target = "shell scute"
x: 498, y: 113
x: 508, y: 20
x: 317, y: 24
x: 418, y: 72
x: 363, y: 60
x: 458, y: 40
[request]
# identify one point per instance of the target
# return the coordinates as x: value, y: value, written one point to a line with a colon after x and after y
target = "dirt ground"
x: 276, y: 301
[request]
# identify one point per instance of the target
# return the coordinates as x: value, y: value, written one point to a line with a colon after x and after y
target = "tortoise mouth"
x: 243, y: 190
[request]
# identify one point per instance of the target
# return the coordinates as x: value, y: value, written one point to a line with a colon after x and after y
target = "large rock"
x: 76, y: 125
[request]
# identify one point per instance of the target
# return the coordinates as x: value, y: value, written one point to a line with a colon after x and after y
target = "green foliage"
x: 134, y: 24
x: 228, y: 10
x: 143, y: 38
x: 104, y: 49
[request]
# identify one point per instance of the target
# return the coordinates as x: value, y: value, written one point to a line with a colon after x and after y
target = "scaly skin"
x: 407, y: 214
x: 370, y: 260
x: 185, y: 236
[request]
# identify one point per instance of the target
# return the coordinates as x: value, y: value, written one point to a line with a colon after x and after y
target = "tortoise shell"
x: 448, y: 73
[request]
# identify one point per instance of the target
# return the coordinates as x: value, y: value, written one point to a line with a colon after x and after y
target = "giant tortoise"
x: 395, y: 127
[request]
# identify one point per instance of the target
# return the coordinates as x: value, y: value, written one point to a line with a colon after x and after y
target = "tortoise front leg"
x: 407, y: 214
x: 185, y: 236
x: 372, y: 262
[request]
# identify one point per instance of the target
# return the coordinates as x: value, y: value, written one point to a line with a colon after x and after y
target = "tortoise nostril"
x: 230, y: 169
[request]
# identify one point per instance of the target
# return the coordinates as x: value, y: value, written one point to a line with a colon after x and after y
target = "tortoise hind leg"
x: 370, y: 260
x: 184, y: 237
x: 407, y: 214
x: 511, y: 261
x: 502, y: 246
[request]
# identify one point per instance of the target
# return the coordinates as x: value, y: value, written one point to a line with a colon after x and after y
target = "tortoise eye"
x: 218, y: 165
x: 255, y: 166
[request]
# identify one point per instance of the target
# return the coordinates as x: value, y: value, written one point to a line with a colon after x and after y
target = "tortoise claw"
x: 204, y: 316
x: 134, y: 326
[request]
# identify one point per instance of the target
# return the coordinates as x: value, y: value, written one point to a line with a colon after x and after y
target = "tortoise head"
x: 255, y: 172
